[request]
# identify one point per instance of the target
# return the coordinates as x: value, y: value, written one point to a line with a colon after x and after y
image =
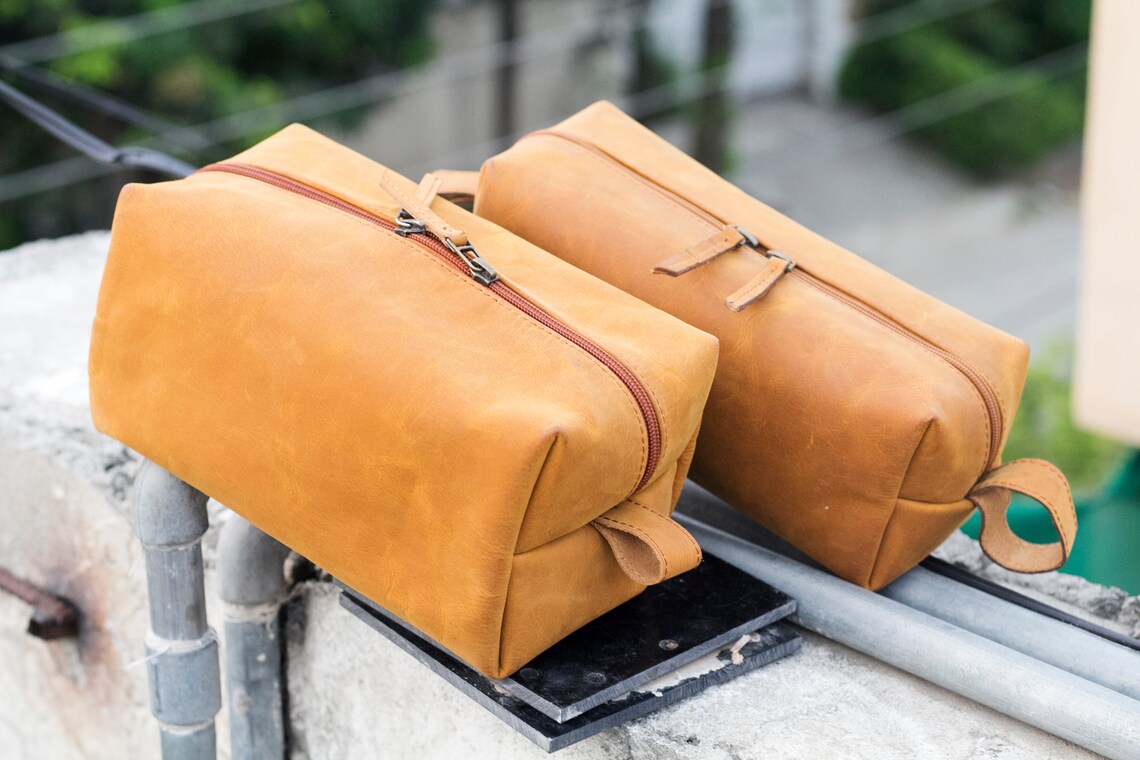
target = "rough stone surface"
x: 47, y: 292
x: 1111, y: 607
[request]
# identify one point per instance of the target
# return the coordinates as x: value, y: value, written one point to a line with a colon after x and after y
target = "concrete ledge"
x: 63, y: 499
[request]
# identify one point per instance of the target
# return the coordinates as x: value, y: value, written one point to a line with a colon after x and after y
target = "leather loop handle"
x: 648, y: 546
x: 1038, y: 480
x: 458, y: 186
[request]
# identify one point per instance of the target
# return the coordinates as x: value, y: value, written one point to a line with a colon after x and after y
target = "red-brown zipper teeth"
x: 505, y: 292
x: 989, y: 398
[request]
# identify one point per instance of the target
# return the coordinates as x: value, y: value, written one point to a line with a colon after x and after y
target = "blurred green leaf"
x: 194, y: 75
x: 1040, y: 113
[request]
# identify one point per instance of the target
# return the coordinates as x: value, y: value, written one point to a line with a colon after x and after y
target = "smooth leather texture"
x: 835, y: 418
x: 385, y: 415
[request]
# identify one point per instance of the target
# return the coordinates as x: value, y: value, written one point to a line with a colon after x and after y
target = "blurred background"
x: 941, y: 139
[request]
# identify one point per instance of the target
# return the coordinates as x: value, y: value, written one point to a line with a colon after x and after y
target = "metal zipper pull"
x: 754, y: 243
x: 416, y: 218
x: 406, y: 224
x: 481, y: 271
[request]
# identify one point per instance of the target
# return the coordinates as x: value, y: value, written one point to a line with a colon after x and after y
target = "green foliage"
x: 1044, y: 426
x: 194, y: 75
x: 1017, y: 129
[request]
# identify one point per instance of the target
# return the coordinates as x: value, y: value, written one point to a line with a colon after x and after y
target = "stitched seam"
x: 655, y: 513
x: 698, y: 254
x: 662, y: 430
x: 761, y: 282
x: 895, y: 502
x: 523, y: 319
x: 644, y: 536
x: 1054, y: 475
x: 693, y: 254
x: 646, y: 180
x: 1042, y: 499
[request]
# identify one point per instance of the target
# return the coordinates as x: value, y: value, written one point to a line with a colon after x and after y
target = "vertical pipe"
x: 252, y: 584
x: 182, y: 650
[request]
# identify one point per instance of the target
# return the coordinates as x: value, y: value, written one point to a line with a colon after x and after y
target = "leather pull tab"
x: 758, y: 287
x: 428, y: 189
x: 457, y: 186
x: 432, y: 221
x: 1038, y: 480
x: 701, y: 253
x: 648, y: 546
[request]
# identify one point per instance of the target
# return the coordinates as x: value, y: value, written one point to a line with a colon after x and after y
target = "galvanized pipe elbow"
x: 182, y: 650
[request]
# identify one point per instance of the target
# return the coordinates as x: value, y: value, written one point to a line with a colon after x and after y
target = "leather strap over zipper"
x: 728, y: 239
x: 428, y: 188
x: 433, y: 223
x: 775, y: 267
x: 457, y: 186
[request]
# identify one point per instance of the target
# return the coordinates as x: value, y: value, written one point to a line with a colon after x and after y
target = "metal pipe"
x: 252, y: 585
x: 53, y: 616
x: 182, y: 650
x: 975, y: 667
x: 1052, y: 641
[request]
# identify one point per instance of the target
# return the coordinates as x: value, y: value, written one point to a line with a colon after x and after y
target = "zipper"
x: 465, y: 259
x: 988, y: 395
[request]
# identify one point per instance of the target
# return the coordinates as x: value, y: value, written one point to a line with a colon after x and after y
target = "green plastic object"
x: 1107, y: 549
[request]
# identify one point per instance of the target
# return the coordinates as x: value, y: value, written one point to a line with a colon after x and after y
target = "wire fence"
x: 204, y: 139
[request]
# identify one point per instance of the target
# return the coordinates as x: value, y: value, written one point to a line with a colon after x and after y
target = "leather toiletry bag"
x: 853, y: 415
x: 473, y: 434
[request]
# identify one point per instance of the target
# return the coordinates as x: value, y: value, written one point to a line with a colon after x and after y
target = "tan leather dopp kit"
x: 472, y: 433
x: 852, y: 414
x: 483, y: 438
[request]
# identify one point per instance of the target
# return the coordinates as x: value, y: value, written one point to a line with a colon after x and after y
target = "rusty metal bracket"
x: 53, y: 616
